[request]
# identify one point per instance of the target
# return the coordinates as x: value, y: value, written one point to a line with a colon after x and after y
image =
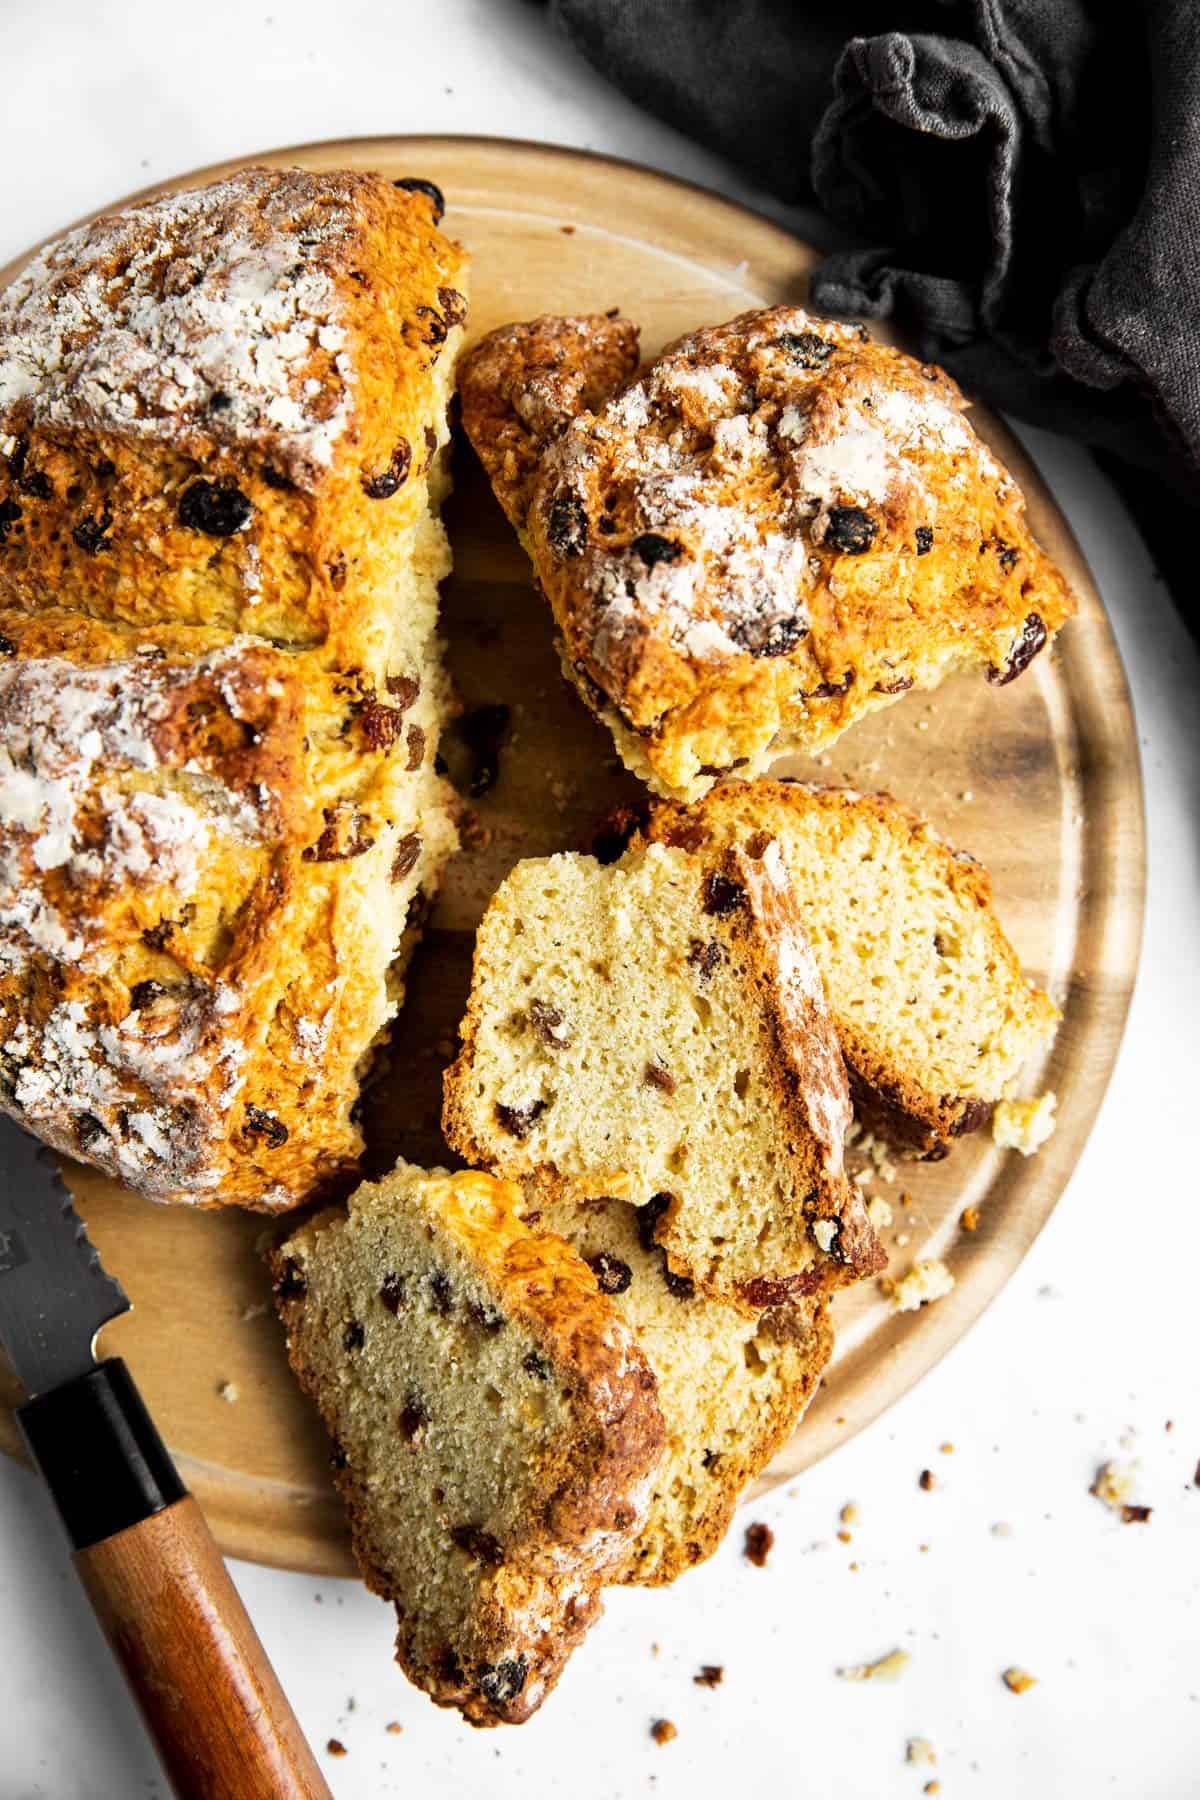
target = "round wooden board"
x: 1040, y: 780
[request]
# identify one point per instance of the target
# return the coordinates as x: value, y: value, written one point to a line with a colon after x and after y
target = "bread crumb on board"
x: 1018, y: 1680
x: 920, y: 1750
x: 888, y: 1668
x: 662, y: 1731
x: 879, y: 1212
x: 711, y: 1675
x: 926, y: 1281
x: 1024, y: 1125
x: 229, y: 1392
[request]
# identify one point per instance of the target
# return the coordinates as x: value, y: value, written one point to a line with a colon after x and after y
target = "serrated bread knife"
x: 210, y: 1699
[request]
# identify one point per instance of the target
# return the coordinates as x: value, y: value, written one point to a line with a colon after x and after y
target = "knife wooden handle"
x: 210, y: 1698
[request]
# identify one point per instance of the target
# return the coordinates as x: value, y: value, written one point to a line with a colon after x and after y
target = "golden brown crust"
x: 209, y: 403
x: 188, y: 985
x: 774, y: 528
x: 891, y: 1097
x: 219, y: 686
x: 537, y: 1589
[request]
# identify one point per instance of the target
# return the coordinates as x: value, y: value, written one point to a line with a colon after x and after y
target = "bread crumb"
x: 228, y: 1391
x: 662, y: 1731
x: 395, y: 1727
x: 759, y: 1541
x: 336, y: 1747
x: 926, y: 1281
x: 1018, y: 1681
x: 258, y: 1311
x: 879, y: 1212
x: 888, y: 1668
x: 927, y: 1480
x: 970, y: 1218
x: 1002, y: 1529
x: 932, y: 1787
x: 920, y: 1750
x: 845, y: 1537
x: 711, y: 1675
x: 1024, y: 1125
x: 1114, y: 1484
x: 947, y: 1449
x: 849, y: 1513
x: 654, y: 1649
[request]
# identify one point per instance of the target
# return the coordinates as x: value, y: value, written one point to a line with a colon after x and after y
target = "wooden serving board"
x: 1040, y: 780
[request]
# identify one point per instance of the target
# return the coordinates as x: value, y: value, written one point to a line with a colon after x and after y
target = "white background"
x: 1095, y: 1339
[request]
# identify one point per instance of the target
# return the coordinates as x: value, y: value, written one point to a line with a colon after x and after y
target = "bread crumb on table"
x: 926, y: 1281
x: 394, y: 1727
x: 1018, y: 1680
x: 1024, y: 1125
x: 1114, y: 1485
x: 662, y: 1731
x: 888, y: 1668
x: 927, y: 1480
x: 228, y: 1390
x: 757, y: 1548
x: 849, y: 1514
x: 335, y: 1747
x: 970, y: 1218
x: 711, y: 1675
x: 920, y: 1750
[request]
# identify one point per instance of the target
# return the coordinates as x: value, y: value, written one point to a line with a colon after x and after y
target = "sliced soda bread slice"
x: 934, y: 1015
x: 496, y: 1426
x: 656, y: 1031
x: 732, y: 1388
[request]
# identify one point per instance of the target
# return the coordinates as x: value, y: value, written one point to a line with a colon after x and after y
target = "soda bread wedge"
x: 656, y: 1031
x: 771, y: 529
x: 931, y: 1008
x: 732, y: 1387
x: 496, y: 1426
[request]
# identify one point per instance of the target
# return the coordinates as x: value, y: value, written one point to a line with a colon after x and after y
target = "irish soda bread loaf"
x: 221, y: 416
x: 496, y: 1426
x: 732, y: 1388
x: 773, y: 528
x: 656, y: 1031
x: 931, y: 1009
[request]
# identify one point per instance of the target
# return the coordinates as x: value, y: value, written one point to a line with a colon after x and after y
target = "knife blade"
x: 210, y: 1699
x: 54, y: 1293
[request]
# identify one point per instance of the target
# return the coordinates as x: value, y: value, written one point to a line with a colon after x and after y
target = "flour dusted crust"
x: 773, y: 528
x: 732, y: 1388
x: 656, y: 1031
x: 206, y: 871
x: 496, y: 1426
x: 932, y: 1011
x: 221, y: 687
x: 286, y: 339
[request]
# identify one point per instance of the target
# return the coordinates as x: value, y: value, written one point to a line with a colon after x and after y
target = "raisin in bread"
x: 496, y: 1426
x: 773, y: 528
x: 222, y: 416
x: 656, y: 1031
x: 933, y: 1013
x: 732, y: 1388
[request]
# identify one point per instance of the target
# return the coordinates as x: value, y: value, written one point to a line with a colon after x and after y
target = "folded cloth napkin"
x: 1021, y: 180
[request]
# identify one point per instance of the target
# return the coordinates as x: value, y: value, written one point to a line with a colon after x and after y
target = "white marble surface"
x: 1094, y: 1339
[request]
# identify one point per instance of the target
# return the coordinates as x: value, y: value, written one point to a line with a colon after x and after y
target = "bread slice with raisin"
x: 932, y: 1010
x: 496, y: 1426
x: 732, y: 1387
x: 656, y: 1031
x: 770, y: 529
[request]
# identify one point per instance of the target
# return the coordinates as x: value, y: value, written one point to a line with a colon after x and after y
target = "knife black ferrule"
x: 95, y: 1445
